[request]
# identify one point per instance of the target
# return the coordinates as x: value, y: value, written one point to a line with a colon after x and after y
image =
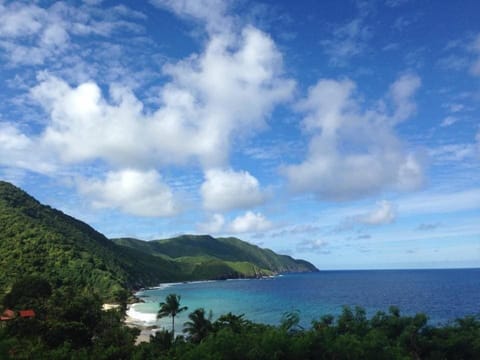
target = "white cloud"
x: 247, y: 223
x: 354, y: 153
x: 213, y: 225
x: 448, y: 121
x: 453, y: 62
x: 351, y: 38
x: 401, y: 92
x: 384, y: 213
x: 452, y: 152
x: 20, y: 151
x: 213, y: 13
x: 198, y: 113
x: 32, y: 35
x: 20, y: 20
x: 227, y: 190
x: 348, y: 40
x: 203, y: 108
x: 141, y: 193
x: 54, y: 35
x: 250, y: 222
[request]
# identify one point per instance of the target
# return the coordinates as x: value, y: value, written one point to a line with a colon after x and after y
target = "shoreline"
x: 146, y: 330
x: 147, y: 322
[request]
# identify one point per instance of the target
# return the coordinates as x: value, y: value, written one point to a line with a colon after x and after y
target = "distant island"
x: 37, y: 239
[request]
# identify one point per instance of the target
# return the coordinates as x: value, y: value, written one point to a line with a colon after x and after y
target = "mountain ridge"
x: 229, y: 249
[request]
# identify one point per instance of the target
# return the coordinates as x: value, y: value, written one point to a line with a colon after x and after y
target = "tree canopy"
x: 171, y: 307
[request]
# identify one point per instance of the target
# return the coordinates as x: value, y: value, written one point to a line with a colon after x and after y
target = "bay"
x: 443, y: 295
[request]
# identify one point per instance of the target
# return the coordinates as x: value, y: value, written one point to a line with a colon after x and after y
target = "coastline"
x: 146, y: 329
x: 147, y: 322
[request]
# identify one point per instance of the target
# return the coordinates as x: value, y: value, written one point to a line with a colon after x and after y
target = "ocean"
x: 443, y: 295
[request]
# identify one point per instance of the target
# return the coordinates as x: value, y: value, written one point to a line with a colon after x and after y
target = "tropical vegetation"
x: 38, y: 240
x: 72, y: 325
x: 171, y: 307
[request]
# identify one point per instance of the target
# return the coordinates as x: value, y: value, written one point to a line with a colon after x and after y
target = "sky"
x: 346, y: 133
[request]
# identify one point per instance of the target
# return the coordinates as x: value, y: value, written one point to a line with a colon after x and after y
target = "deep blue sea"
x: 443, y: 295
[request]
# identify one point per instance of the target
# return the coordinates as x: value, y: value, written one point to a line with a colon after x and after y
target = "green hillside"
x: 38, y: 240
x: 205, y: 249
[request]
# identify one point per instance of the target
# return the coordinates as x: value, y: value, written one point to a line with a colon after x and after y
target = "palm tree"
x: 234, y: 322
x: 171, y: 307
x: 199, y: 326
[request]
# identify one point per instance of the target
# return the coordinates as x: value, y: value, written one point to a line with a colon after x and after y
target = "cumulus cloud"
x: 354, y: 153
x: 202, y: 108
x: 384, y: 213
x: 141, y: 193
x: 250, y: 222
x: 227, y: 190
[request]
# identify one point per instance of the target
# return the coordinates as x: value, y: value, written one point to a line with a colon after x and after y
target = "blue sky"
x: 343, y: 132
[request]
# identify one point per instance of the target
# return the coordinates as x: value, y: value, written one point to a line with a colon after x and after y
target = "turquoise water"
x: 443, y: 295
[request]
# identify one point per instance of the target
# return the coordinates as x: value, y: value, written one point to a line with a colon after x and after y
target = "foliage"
x: 73, y: 326
x: 68, y: 325
x: 28, y: 293
x: 199, y: 326
x: 206, y: 257
x: 171, y: 307
x: 40, y: 241
x: 350, y: 336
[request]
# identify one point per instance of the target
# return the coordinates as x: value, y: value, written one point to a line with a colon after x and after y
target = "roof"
x: 7, y: 315
x: 27, y: 313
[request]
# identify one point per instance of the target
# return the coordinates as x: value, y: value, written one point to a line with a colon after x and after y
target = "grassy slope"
x: 205, y: 249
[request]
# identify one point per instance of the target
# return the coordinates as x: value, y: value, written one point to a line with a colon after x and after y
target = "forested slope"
x: 201, y: 249
x: 38, y: 240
